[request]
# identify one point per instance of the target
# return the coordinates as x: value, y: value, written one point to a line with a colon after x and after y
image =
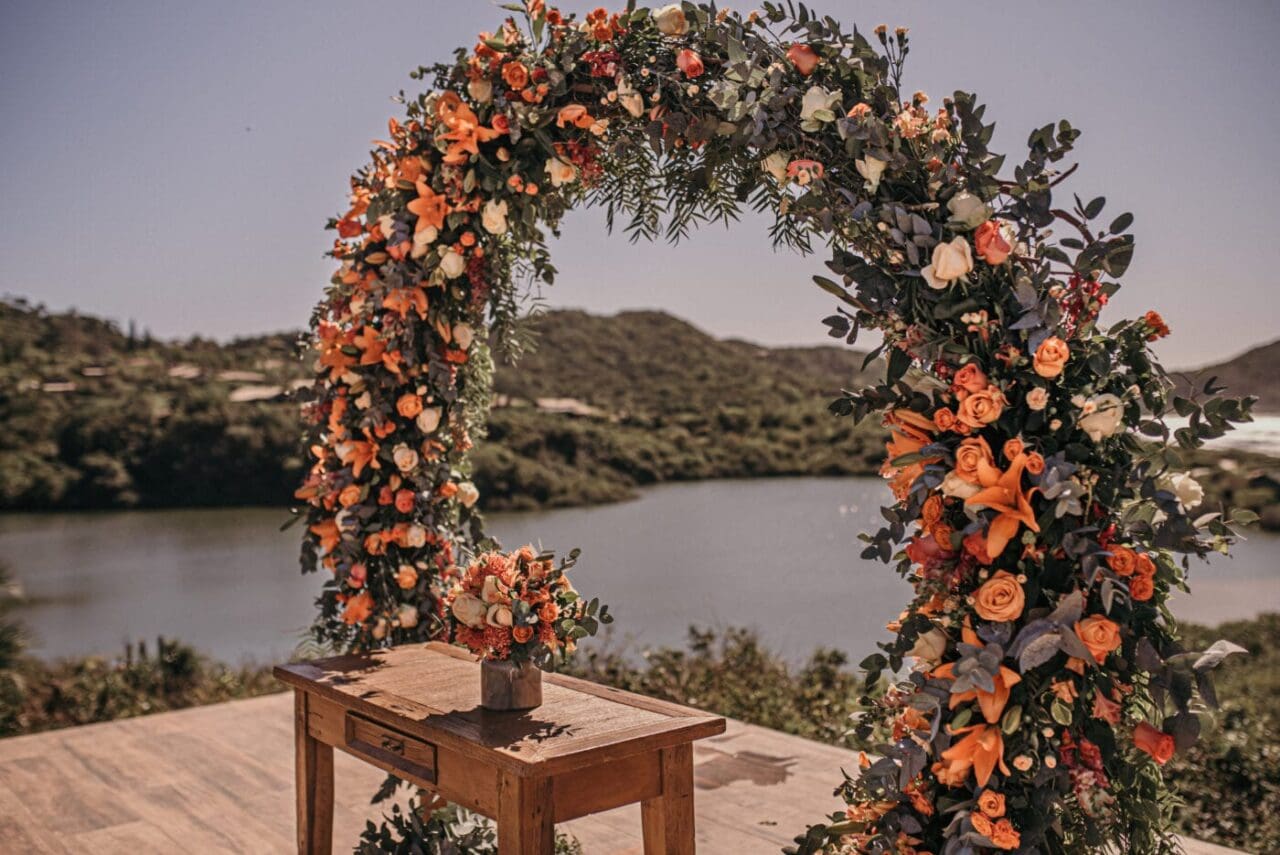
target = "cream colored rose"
x: 494, y: 217
x: 468, y: 494
x: 499, y: 615
x: 493, y: 591
x: 407, y: 616
x: 951, y: 261
x: 363, y: 400
x: 956, y: 487
x: 422, y: 241
x: 463, y: 335
x: 776, y: 165
x: 561, y: 172
x: 429, y: 419
x: 470, y: 610
x: 1037, y: 399
x: 930, y: 647
x: 480, y: 90
x: 871, y: 168
x: 819, y: 105
x: 1187, y: 489
x: 1103, y: 415
x: 416, y: 536
x: 968, y: 210
x: 386, y: 223
x: 671, y: 20
x: 406, y: 458
x: 631, y: 100
x: 379, y: 630
x: 452, y: 264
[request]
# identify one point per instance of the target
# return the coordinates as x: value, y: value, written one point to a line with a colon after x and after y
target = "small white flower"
x: 480, y: 90
x: 671, y: 20
x: 776, y: 165
x: 406, y: 459
x: 463, y: 335
x: 871, y: 168
x: 1103, y: 416
x: 930, y: 647
x: 422, y: 241
x: 1187, y: 489
x: 494, y: 217
x: 429, y: 419
x: 561, y: 172
x: 956, y: 487
x: 468, y: 494
x: 407, y: 616
x: 452, y: 264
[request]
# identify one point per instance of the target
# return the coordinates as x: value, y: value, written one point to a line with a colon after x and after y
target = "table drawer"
x: 413, y: 756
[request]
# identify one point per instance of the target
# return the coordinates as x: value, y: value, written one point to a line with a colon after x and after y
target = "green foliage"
x: 425, y: 828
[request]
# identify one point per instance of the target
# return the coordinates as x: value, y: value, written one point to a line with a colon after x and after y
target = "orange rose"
x: 1003, y: 835
x: 973, y: 458
x: 358, y: 609
x: 1142, y: 588
x: 574, y: 114
x: 1012, y: 448
x: 1035, y: 463
x: 970, y: 378
x: 982, y: 825
x: 990, y: 244
x: 991, y: 803
x: 976, y: 545
x: 1157, y: 743
x: 944, y: 419
x: 944, y: 534
x: 1100, y: 635
x: 803, y: 58
x: 521, y: 633
x: 1051, y: 356
x: 1000, y: 598
x: 548, y: 612
x: 409, y: 405
x: 931, y: 513
x: 349, y: 496
x: 1123, y: 560
x: 404, y: 501
x: 690, y: 63
x: 1146, y: 567
x: 981, y: 408
x: 406, y: 576
x: 515, y: 75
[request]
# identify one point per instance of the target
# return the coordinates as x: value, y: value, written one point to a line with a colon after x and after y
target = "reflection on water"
x: 780, y: 555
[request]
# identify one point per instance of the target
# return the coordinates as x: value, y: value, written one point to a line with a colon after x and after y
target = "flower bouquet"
x: 520, y: 614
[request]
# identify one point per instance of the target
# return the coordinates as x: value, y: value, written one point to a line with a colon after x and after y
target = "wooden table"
x: 415, y: 711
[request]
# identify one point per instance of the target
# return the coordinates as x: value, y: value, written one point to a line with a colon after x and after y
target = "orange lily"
x: 373, y: 346
x: 910, y: 432
x: 401, y: 300
x: 336, y: 427
x: 465, y: 131
x: 982, y: 750
x: 1012, y: 504
x: 430, y: 207
x: 328, y: 533
x: 358, y: 454
x: 992, y: 703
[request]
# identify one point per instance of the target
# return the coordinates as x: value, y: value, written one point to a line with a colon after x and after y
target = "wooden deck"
x: 219, y: 779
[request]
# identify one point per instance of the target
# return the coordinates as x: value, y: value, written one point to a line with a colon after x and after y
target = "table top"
x: 433, y: 690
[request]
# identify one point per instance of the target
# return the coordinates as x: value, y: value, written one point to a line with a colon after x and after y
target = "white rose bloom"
x: 416, y: 537
x: 819, y: 105
x: 422, y: 241
x: 453, y: 265
x: 407, y: 616
x: 951, y: 261
x: 671, y: 20
x: 968, y: 210
x: 1187, y: 489
x: 631, y: 100
x: 481, y: 91
x: 386, y: 223
x: 958, y: 488
x: 492, y: 590
x: 405, y: 457
x: 463, y: 335
x: 561, y: 172
x: 1103, y: 416
x: 871, y: 168
x: 776, y: 165
x: 494, y: 217
x: 469, y: 610
x: 468, y: 494
x: 429, y: 419
x: 930, y: 647
x: 499, y: 616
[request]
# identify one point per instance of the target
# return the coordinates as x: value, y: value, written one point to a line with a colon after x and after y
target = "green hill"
x: 1251, y: 373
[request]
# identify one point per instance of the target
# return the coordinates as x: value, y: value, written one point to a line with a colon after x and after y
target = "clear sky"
x: 174, y: 162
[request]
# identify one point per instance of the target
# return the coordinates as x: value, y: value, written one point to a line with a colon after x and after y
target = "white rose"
x: 968, y: 210
x: 493, y: 591
x: 499, y: 615
x: 1187, y: 489
x: 671, y: 20
x: 956, y: 487
x: 776, y: 165
x: 407, y: 616
x: 429, y: 419
x: 468, y: 494
x: 819, y: 105
x: 386, y: 223
x: 1103, y: 415
x: 630, y: 99
x: 453, y: 264
x: 871, y: 168
x: 416, y: 537
x: 494, y: 217
x: 463, y: 335
x: 951, y: 261
x: 480, y: 90
x: 1037, y: 399
x: 422, y: 241
x: 468, y: 609
x: 380, y: 629
x: 406, y: 458
x: 930, y: 647
x: 561, y: 172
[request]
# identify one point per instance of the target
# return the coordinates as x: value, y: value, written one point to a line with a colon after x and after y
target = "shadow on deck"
x: 219, y: 779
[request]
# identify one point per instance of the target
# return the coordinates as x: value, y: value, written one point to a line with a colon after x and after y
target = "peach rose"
x: 1157, y: 743
x: 1051, y: 356
x: 548, y: 612
x: 1035, y: 463
x: 931, y: 512
x: 951, y: 261
x: 521, y: 633
x: 1012, y: 448
x: 990, y: 244
x: 404, y: 501
x: 409, y: 405
x: 1123, y: 560
x: 1000, y: 598
x: 671, y: 20
x: 982, y: 825
x: 991, y: 803
x: 972, y: 458
x: 1004, y: 836
x: 1100, y: 635
x: 349, y: 496
x: 803, y: 58
x: 970, y: 378
x: 981, y: 408
x: 944, y: 419
x: 406, y: 576
x: 515, y: 75
x: 1037, y: 399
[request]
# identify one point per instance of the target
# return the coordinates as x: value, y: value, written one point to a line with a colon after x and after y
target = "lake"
x: 780, y: 555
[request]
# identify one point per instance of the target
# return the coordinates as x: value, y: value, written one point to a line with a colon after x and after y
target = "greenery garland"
x: 1035, y: 682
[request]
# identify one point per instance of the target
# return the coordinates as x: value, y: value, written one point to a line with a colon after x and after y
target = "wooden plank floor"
x: 219, y: 779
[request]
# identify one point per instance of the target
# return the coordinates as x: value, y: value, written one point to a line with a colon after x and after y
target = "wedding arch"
x: 1035, y: 683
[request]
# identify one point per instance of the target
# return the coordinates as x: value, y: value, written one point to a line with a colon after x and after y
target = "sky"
x: 174, y: 163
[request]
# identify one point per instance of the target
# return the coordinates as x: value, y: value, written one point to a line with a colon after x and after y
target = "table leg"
x: 525, y: 816
x: 668, y: 819
x: 313, y: 767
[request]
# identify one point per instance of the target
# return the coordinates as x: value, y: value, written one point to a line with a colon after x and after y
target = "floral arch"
x: 1035, y: 683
